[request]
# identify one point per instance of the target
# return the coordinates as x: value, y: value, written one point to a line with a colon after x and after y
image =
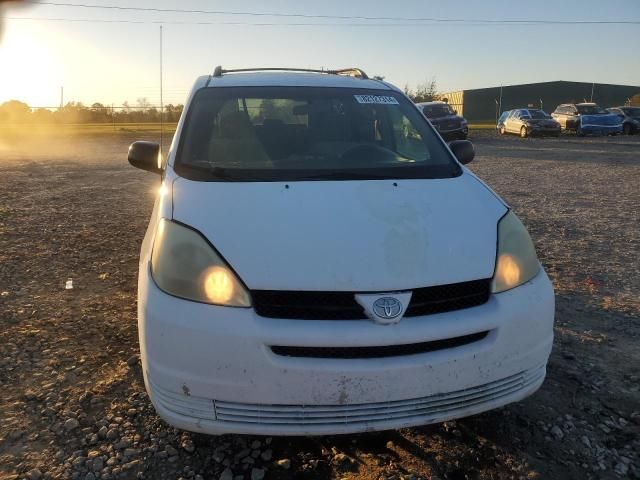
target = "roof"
x: 552, y: 82
x: 435, y: 102
x: 293, y: 79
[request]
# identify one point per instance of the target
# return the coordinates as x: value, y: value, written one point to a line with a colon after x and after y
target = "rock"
x: 122, y: 444
x: 90, y: 476
x: 131, y: 452
x: 257, y: 474
x: 256, y: 444
x: 171, y: 450
x: 34, y: 474
x: 188, y: 446
x: 218, y: 456
x: 98, y: 464
x: 112, y: 434
x: 621, y: 468
x: 102, y: 433
x: 342, y: 458
x: 390, y: 445
x: 585, y: 441
x: 71, y: 424
x: 243, y: 453
x: 267, y: 455
x: 132, y: 360
x: 284, y: 463
x: 226, y: 474
x: 557, y: 433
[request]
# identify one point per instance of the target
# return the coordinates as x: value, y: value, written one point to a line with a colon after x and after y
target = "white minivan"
x: 319, y: 261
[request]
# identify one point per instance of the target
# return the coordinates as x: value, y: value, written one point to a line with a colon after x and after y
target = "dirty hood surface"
x: 347, y: 235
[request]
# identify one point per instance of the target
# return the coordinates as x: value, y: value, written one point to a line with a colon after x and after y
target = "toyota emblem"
x: 387, y: 308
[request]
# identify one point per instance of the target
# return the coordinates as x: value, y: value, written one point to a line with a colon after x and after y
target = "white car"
x: 319, y: 261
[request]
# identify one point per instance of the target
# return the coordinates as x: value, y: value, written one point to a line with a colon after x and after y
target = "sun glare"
x: 29, y: 64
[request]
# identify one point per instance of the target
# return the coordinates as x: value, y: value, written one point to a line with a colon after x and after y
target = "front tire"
x: 579, y: 131
x: 502, y: 130
x: 523, y: 132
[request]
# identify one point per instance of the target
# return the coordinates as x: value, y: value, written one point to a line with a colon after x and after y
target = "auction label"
x: 379, y: 99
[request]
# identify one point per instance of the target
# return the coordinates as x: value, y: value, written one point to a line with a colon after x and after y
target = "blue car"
x: 587, y: 118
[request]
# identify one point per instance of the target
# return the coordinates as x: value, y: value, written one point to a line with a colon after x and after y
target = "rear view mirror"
x: 146, y: 156
x: 463, y: 150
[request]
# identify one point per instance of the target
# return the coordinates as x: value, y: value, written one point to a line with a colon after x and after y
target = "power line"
x: 480, y: 23
x: 338, y: 17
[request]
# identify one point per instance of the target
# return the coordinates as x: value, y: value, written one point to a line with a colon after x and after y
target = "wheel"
x: 627, y: 129
x: 579, y: 131
x: 502, y: 130
x: 523, y: 132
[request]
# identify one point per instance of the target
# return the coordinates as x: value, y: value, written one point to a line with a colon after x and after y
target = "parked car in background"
x: 630, y: 117
x: 528, y: 122
x: 445, y: 119
x: 587, y: 118
x: 501, y: 120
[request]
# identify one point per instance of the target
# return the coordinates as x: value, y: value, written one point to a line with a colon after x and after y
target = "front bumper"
x: 601, y: 129
x: 542, y: 131
x: 211, y: 369
x: 456, y: 134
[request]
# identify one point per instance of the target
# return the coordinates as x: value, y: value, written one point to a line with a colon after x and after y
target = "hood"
x: 547, y: 122
x: 446, y: 118
x: 601, y: 119
x: 347, y: 235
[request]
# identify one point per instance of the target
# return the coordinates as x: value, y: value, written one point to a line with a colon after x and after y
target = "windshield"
x: 308, y: 133
x: 538, y: 114
x: 437, y: 110
x: 591, y: 110
x: 632, y: 112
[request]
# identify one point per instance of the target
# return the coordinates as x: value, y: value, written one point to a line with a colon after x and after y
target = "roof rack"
x: 353, y: 72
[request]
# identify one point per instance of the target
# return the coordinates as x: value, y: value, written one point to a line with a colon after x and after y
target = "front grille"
x: 421, y: 410
x: 379, y: 351
x: 307, y: 305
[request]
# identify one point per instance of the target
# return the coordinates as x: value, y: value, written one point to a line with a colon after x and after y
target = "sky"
x: 111, y: 62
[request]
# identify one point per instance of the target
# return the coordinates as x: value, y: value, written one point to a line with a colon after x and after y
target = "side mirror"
x: 463, y: 150
x: 146, y: 156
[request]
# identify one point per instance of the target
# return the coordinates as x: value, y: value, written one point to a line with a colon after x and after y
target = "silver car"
x: 528, y: 122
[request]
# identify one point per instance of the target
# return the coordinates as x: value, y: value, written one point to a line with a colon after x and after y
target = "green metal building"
x: 483, y: 105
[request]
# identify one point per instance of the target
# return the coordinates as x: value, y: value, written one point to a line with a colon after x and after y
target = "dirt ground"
x: 73, y: 404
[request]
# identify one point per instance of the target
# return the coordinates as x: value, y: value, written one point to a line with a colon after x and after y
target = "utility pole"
x: 61, y: 97
x: 161, y: 103
x: 113, y: 118
x: 593, y: 85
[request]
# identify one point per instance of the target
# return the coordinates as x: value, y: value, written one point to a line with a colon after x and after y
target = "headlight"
x: 184, y: 264
x: 516, y: 262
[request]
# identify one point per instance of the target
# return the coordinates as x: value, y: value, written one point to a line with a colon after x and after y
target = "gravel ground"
x: 74, y: 405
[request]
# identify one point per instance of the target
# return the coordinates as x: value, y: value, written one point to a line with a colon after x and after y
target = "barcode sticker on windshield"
x: 379, y: 99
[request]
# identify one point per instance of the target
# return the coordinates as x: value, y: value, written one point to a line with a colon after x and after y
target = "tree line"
x: 15, y: 111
